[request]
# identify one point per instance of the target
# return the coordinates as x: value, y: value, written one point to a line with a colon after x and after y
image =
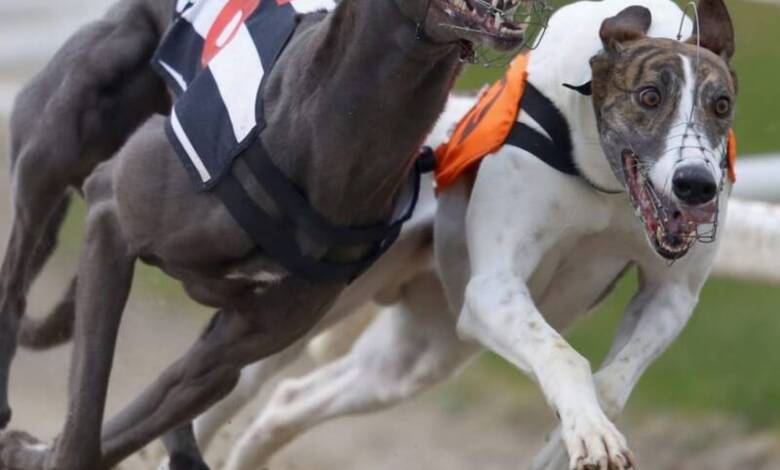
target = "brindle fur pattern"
x: 630, y: 62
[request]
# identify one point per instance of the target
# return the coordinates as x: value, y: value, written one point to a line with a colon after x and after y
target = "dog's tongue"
x: 701, y: 214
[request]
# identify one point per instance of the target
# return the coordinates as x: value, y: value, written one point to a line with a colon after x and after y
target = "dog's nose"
x: 694, y: 185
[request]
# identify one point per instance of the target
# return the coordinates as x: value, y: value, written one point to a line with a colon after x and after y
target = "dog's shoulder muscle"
x: 519, y: 201
x: 162, y: 214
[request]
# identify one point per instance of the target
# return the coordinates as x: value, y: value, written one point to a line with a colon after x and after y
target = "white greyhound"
x: 528, y: 241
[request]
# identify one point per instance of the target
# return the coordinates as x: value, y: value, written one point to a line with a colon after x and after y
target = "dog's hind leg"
x: 48, y: 241
x: 185, y: 443
x: 253, y: 377
x: 105, y: 276
x: 33, y: 206
x: 407, y: 349
x: 183, y: 450
x: 76, y: 113
x: 267, y: 323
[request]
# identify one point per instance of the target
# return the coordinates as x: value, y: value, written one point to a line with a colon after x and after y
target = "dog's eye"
x: 722, y: 106
x: 650, y: 97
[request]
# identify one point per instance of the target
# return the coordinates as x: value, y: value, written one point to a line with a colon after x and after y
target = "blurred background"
x: 712, y: 401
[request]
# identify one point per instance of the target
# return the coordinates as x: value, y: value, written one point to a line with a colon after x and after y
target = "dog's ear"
x: 628, y: 25
x: 715, y: 30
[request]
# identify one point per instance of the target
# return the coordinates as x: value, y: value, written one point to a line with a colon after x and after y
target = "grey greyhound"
x: 343, y: 81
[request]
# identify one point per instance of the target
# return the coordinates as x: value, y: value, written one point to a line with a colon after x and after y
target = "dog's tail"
x: 55, y: 328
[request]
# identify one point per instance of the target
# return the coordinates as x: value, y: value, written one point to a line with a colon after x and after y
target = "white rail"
x: 758, y: 178
x: 750, y: 249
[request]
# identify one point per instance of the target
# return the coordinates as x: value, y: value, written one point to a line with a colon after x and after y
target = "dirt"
x: 424, y: 434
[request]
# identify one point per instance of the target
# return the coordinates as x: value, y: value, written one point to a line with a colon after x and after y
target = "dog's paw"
x: 180, y: 461
x: 19, y: 450
x: 594, y: 443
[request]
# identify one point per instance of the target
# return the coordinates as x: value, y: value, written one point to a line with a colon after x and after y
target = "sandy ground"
x: 491, y: 432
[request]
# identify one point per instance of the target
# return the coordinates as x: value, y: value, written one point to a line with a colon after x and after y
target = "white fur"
x: 529, y: 252
x: 406, y: 350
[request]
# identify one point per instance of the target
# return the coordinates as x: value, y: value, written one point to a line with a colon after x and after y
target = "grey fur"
x: 347, y: 107
x: 75, y: 113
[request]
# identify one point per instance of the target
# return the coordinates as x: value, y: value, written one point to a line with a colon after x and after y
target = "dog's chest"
x: 581, y: 269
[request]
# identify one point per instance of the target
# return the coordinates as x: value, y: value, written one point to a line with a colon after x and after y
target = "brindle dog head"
x: 490, y: 22
x: 664, y: 109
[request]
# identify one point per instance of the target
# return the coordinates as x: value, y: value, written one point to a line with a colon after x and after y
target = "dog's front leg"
x: 498, y: 309
x: 266, y: 324
x: 500, y: 314
x: 654, y: 318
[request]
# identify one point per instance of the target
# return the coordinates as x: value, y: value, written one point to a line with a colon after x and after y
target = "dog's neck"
x: 548, y: 70
x: 563, y: 57
x: 351, y: 103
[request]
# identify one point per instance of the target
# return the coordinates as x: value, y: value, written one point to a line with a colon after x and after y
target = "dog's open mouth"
x: 671, y: 229
x: 495, y: 18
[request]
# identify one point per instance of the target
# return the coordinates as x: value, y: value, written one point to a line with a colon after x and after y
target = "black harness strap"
x: 277, y: 235
x: 555, y: 150
x: 264, y: 230
x: 294, y: 204
x: 211, y: 129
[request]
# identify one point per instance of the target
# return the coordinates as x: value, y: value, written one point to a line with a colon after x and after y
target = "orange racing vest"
x: 486, y: 127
